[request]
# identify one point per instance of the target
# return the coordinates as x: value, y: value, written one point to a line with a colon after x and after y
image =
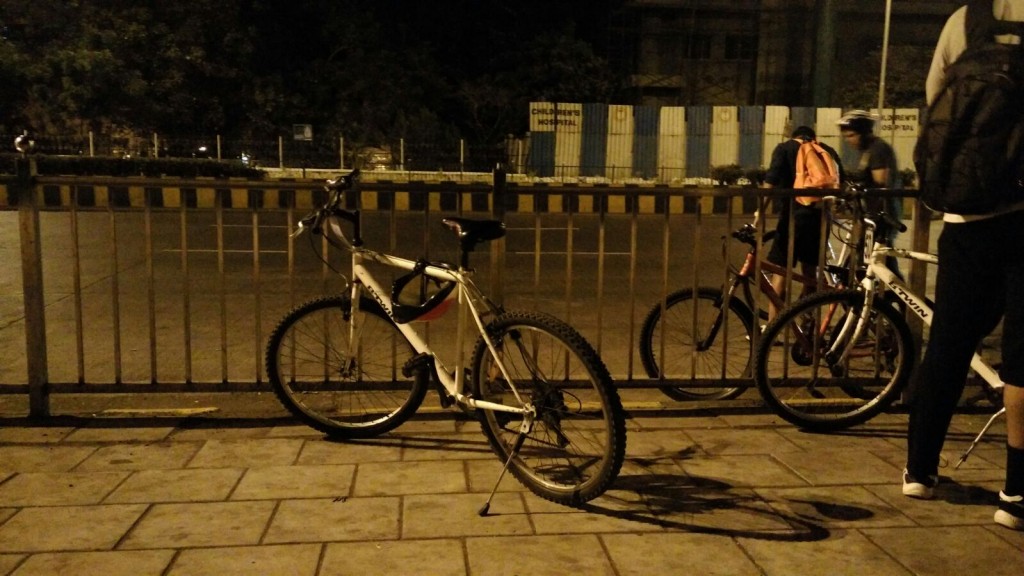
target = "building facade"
x: 774, y: 52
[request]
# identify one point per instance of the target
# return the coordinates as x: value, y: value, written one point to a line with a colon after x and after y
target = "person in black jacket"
x: 980, y: 281
x: 806, y: 219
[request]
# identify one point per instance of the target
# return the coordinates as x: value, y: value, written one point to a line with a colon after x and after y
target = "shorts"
x: 807, y: 241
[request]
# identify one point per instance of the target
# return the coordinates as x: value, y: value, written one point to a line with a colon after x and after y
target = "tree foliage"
x: 371, y: 70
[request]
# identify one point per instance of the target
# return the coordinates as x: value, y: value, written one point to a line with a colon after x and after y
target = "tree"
x: 906, y: 70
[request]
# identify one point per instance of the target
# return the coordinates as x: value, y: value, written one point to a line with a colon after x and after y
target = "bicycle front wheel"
x: 694, y: 338
x: 575, y: 446
x: 343, y: 390
x: 815, y: 374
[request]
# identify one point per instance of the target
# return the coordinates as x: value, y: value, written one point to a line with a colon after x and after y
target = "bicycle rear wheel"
x: 824, y: 387
x: 704, y: 344
x: 313, y: 375
x: 575, y: 446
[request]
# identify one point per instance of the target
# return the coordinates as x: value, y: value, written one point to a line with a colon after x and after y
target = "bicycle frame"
x: 470, y: 300
x: 878, y: 271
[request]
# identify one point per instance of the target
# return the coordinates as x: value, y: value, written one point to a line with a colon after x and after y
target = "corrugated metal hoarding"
x: 594, y: 140
x: 725, y: 135
x: 776, y: 120
x: 568, y: 128
x: 826, y: 128
x: 672, y: 143
x: 698, y: 141
x: 541, y: 161
x: 645, y: 141
x: 751, y: 136
x: 619, y: 160
x: 900, y: 130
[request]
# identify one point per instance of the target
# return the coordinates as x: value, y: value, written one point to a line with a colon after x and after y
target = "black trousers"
x: 980, y: 280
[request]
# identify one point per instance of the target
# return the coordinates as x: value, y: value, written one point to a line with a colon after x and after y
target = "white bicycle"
x: 837, y: 358
x: 355, y: 366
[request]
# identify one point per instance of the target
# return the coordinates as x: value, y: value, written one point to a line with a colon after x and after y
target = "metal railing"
x: 176, y: 285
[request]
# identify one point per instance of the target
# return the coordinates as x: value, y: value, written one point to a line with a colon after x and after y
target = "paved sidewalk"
x: 707, y: 493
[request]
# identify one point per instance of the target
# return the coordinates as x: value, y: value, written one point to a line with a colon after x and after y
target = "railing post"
x: 32, y: 286
x: 498, y: 199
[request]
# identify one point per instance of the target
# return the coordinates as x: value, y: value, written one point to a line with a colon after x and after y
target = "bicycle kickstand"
x: 963, y: 458
x: 523, y: 429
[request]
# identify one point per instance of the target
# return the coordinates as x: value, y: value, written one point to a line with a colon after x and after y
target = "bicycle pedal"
x: 417, y: 363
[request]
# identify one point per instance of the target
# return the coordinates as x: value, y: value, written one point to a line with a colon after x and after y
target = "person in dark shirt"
x: 876, y: 168
x: 806, y: 219
x: 981, y: 265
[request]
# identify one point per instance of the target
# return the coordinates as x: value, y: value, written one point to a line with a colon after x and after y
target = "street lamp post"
x: 885, y: 54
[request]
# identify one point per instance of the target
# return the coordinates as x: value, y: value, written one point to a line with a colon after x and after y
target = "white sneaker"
x: 922, y: 489
x: 1010, y: 512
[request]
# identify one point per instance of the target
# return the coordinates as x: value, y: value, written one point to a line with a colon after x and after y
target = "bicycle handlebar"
x: 855, y: 195
x: 314, y: 221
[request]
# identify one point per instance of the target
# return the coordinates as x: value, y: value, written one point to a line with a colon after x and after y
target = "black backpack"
x: 970, y: 153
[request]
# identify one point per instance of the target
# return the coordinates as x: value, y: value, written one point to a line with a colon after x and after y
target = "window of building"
x: 697, y: 47
x: 740, y: 47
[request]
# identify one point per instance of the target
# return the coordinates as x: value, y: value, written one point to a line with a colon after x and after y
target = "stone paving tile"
x: 59, y: 488
x: 119, y: 434
x: 419, y: 426
x: 441, y: 557
x: 447, y: 447
x: 68, y: 528
x: 742, y: 470
x: 742, y: 441
x: 386, y: 449
x: 161, y: 455
x: 246, y: 453
x: 954, y: 504
x: 191, y: 485
x: 767, y: 419
x: 842, y: 552
x: 677, y: 553
x: 335, y: 520
x: 456, y: 515
x: 294, y: 431
x: 6, y: 513
x: 538, y: 556
x: 218, y: 433
x: 482, y: 474
x: 595, y: 518
x: 116, y: 563
x: 649, y: 423
x: 1014, y: 537
x: 196, y: 525
x: 8, y: 562
x: 647, y: 444
x: 822, y: 467
x: 396, y: 478
x: 283, y: 482
x: 950, y: 550
x: 286, y: 560
x: 836, y: 506
x: 34, y: 434
x: 855, y: 439
x: 43, y: 458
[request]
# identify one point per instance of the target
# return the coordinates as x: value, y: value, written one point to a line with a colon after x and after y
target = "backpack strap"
x: 981, y: 24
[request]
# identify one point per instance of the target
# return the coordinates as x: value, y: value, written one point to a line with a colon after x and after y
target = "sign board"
x: 303, y: 132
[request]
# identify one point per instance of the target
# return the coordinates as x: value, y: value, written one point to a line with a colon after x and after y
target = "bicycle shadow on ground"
x: 677, y: 501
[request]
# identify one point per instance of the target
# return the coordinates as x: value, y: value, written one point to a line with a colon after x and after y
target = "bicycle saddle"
x: 472, y: 232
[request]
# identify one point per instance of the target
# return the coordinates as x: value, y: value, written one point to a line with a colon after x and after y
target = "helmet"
x: 416, y: 296
x: 859, y: 121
